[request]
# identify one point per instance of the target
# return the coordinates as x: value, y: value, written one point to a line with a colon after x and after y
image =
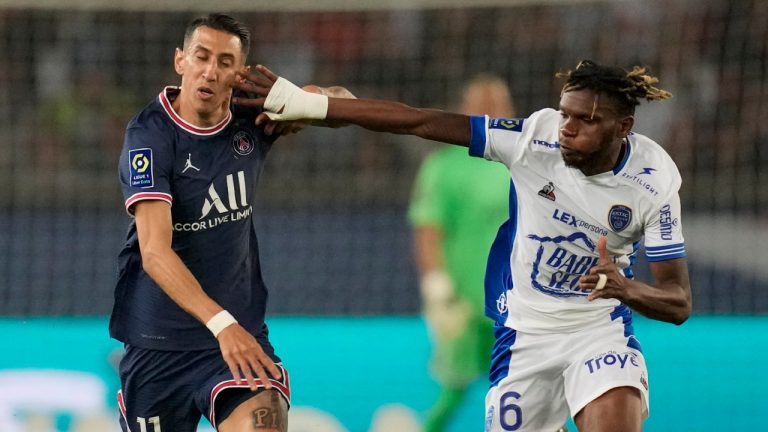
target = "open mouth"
x: 205, y: 93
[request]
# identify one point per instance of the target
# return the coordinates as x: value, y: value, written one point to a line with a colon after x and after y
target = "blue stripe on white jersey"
x: 501, y: 353
x: 477, y: 136
x: 629, y: 273
x: 625, y: 313
x: 666, y: 252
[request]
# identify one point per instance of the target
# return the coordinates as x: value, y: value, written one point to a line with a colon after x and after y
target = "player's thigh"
x: 529, y: 395
x: 618, y: 409
x: 607, y: 374
x: 154, y: 394
x: 265, y: 411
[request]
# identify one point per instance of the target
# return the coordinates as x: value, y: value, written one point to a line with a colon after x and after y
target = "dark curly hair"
x: 625, y: 87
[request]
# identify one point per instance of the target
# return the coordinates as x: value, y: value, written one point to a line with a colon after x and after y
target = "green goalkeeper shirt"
x: 468, y: 199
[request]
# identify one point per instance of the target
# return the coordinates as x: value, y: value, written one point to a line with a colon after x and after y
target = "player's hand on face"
x: 245, y: 357
x: 286, y: 127
x: 614, y: 286
x: 257, y: 81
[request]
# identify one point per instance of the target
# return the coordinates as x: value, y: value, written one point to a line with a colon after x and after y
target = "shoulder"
x: 537, y: 119
x: 651, y: 168
x: 152, y: 118
x: 649, y: 152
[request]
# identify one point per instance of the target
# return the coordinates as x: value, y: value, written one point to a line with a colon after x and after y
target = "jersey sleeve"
x: 503, y: 140
x: 664, y: 230
x: 425, y: 207
x: 146, y: 164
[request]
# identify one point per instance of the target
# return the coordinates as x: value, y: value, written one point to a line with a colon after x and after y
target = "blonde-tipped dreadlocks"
x: 626, y: 87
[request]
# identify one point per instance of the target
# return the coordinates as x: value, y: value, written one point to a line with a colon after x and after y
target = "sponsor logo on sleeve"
x: 666, y: 222
x: 619, y: 217
x: 140, y: 168
x: 506, y: 124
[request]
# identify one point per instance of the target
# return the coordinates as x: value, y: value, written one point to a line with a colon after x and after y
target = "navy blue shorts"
x: 170, y: 390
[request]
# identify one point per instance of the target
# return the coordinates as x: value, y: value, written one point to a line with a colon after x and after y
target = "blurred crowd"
x: 71, y: 80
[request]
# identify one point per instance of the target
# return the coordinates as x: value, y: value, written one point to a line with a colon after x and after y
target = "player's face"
x: 207, y: 66
x: 591, y: 131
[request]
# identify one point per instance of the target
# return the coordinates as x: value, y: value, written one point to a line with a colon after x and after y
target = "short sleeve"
x: 505, y: 140
x: 664, y: 232
x: 146, y: 164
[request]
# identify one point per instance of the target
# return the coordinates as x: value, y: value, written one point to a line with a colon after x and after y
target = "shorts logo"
x: 501, y: 303
x: 612, y: 359
x: 619, y: 217
x: 242, y: 143
x: 140, y: 168
x: 489, y: 419
x: 506, y: 124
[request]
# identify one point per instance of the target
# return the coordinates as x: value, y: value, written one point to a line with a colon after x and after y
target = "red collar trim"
x: 180, y: 122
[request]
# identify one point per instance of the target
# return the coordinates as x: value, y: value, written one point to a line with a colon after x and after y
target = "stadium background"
x: 331, y: 212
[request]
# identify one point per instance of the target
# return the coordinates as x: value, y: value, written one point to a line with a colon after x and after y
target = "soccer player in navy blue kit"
x: 190, y: 300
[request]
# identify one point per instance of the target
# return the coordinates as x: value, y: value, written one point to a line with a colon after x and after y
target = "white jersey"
x: 557, y: 215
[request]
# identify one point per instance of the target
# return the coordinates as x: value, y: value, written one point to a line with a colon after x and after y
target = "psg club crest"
x: 242, y: 143
x: 619, y: 217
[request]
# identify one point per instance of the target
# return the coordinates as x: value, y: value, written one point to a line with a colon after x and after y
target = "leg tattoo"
x: 272, y: 415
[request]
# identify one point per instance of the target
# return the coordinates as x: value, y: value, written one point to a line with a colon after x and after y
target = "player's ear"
x: 625, y: 125
x: 178, y: 61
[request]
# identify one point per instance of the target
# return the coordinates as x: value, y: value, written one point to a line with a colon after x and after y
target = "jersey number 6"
x: 510, y: 409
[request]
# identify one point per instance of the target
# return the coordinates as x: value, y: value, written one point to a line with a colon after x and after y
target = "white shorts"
x: 552, y: 376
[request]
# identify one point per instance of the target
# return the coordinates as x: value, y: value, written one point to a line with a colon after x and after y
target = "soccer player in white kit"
x: 585, y: 191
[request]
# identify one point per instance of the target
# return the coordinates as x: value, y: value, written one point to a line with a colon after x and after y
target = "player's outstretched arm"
x: 669, y: 299
x: 284, y: 101
x: 239, y: 348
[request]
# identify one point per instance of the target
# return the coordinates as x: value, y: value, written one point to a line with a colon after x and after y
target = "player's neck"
x: 612, y: 161
x: 189, y: 114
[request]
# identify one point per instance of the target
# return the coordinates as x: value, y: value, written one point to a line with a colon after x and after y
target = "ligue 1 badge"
x: 619, y: 217
x: 242, y: 143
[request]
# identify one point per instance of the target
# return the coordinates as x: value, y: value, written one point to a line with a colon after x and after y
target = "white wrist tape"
x: 436, y: 286
x: 293, y: 103
x: 219, y: 322
x: 601, y: 280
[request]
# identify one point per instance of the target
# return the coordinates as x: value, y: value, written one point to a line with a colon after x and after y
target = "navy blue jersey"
x: 209, y: 177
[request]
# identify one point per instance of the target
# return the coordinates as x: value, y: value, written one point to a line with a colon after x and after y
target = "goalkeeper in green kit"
x: 457, y: 207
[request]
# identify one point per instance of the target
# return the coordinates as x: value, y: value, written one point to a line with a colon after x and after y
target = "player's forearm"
x: 668, y: 302
x: 395, y: 117
x: 175, y: 279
